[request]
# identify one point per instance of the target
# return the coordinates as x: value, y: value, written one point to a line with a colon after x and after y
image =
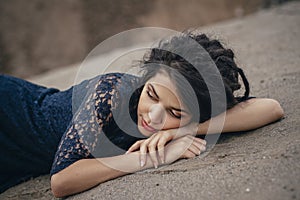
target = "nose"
x: 156, y: 114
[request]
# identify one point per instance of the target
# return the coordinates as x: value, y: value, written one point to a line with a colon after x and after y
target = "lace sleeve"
x: 82, y: 135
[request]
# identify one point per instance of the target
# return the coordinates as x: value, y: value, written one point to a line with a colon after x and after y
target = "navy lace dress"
x: 39, y: 132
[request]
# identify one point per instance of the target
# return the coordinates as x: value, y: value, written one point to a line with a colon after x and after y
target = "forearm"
x: 80, y: 176
x: 247, y: 115
x: 87, y: 173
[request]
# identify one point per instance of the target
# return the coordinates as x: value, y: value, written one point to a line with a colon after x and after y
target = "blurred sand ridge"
x: 38, y: 36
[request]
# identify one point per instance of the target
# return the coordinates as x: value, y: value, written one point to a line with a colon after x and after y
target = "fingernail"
x: 142, y: 163
x: 162, y: 160
x: 155, y: 166
x: 126, y: 152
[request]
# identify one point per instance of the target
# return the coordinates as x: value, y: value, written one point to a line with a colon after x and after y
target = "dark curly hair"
x: 165, y: 57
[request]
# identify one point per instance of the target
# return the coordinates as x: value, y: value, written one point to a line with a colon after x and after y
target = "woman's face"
x: 159, y: 106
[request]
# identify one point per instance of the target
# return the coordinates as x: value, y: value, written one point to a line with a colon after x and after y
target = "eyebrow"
x: 172, y: 108
x: 152, y: 88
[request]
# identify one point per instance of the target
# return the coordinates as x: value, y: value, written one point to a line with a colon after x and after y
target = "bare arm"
x: 87, y: 173
x: 246, y: 115
x: 80, y: 176
x: 251, y: 114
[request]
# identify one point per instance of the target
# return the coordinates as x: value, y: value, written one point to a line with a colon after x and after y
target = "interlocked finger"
x: 143, y: 152
x: 135, y: 146
x: 188, y: 154
x: 152, y: 147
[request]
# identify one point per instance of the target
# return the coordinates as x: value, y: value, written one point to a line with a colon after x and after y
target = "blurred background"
x: 37, y: 35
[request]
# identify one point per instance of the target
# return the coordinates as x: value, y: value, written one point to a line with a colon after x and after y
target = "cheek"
x: 143, y: 104
x: 171, y: 123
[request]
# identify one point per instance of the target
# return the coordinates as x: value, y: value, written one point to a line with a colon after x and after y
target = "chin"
x: 143, y: 131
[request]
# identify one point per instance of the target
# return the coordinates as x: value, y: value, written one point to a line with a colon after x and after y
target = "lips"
x: 147, y: 127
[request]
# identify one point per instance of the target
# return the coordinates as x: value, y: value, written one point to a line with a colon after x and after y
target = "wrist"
x: 202, y: 128
x: 173, y: 151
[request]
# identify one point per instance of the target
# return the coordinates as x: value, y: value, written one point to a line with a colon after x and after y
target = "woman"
x: 158, y: 103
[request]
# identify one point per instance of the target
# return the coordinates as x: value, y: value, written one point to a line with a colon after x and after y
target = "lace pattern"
x: 85, y: 130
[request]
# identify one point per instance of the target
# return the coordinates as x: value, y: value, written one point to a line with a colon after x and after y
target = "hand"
x: 184, y: 147
x: 157, y: 143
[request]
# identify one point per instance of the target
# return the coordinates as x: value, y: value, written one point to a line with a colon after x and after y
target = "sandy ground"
x: 259, y: 164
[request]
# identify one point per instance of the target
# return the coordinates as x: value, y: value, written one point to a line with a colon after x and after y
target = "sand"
x: 258, y: 164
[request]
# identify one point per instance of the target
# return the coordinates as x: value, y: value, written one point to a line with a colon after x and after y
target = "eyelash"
x: 178, y: 117
x: 151, y: 96
x: 170, y: 111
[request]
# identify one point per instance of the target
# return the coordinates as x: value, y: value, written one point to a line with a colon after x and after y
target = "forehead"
x: 166, y: 88
x: 163, y: 79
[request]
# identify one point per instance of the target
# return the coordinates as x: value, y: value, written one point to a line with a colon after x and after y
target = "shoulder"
x: 113, y: 88
x: 120, y: 83
x: 117, y: 78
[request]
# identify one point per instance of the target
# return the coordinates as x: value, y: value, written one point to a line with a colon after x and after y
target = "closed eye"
x: 172, y: 113
x: 151, y: 93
